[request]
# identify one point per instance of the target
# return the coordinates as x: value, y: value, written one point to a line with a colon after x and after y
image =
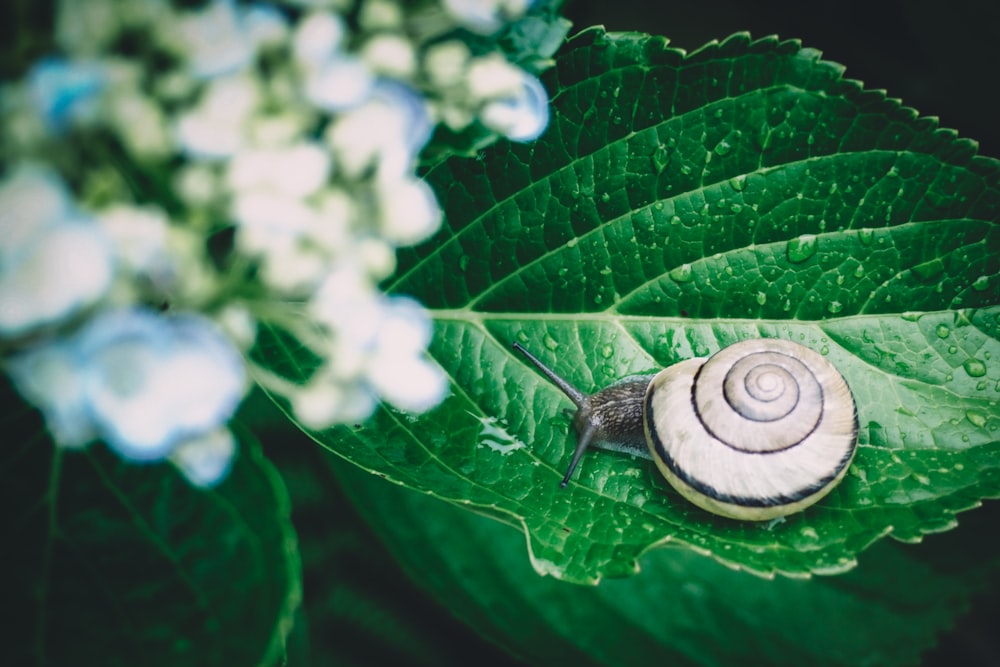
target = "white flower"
x: 390, y: 55
x: 385, y: 133
x: 295, y: 171
x: 318, y: 37
x: 521, y: 116
x: 54, y: 262
x: 49, y: 377
x: 485, y: 16
x: 492, y: 76
x: 141, y: 381
x: 223, y: 38
x: 205, y: 459
x: 153, y: 380
x: 217, y: 127
x: 340, y: 83
x: 408, y: 211
x: 398, y: 371
x: 324, y: 401
x: 139, y: 236
x: 446, y: 62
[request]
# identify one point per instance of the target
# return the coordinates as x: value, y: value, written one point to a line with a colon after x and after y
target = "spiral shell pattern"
x: 764, y: 428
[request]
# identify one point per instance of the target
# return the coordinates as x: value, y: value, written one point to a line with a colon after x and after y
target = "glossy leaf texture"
x: 113, y: 563
x: 678, y: 203
x: 683, y: 608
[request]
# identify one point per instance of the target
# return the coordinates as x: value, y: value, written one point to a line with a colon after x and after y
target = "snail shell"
x: 762, y: 429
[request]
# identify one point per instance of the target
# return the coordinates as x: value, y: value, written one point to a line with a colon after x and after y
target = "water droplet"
x: 835, y: 307
x: 802, y: 248
x: 463, y: 262
x: 866, y: 235
x: 682, y: 273
x: 976, y: 418
x: 572, y: 242
x: 738, y: 183
x: 661, y: 157
x: 522, y: 336
x: 493, y: 434
x: 981, y: 283
x: 942, y: 331
x: 605, y: 197
x: 607, y: 351
x: 974, y: 368
x: 825, y: 350
x: 675, y: 220
x: 761, y: 298
x: 723, y: 148
x: 735, y: 208
x: 550, y: 342
x: 686, y: 169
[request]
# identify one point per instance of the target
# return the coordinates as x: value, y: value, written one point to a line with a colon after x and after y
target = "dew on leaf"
x: 682, y: 273
x: 942, y: 331
x: 550, y: 342
x: 661, y: 157
x: 761, y: 298
x: 802, y: 248
x: 835, y: 307
x: 463, y: 263
x: 738, y: 183
x: 607, y: 351
x: 492, y: 434
x: 981, y: 283
x: 974, y: 368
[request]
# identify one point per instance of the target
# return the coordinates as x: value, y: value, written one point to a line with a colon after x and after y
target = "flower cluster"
x: 177, y: 177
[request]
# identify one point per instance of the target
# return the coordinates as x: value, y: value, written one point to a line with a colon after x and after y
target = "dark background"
x: 937, y: 57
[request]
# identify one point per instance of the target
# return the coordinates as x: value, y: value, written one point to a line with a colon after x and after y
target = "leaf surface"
x: 112, y: 563
x: 679, y: 203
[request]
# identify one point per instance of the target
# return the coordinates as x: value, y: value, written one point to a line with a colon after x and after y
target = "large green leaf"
x: 676, y: 204
x: 110, y: 563
x: 683, y: 608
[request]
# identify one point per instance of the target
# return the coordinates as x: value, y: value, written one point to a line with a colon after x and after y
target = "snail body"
x: 763, y: 428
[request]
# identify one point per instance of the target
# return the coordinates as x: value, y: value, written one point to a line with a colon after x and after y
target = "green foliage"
x: 676, y: 204
x: 110, y: 563
x: 683, y: 608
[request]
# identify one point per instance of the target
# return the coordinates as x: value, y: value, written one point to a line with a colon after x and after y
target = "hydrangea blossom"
x: 54, y: 261
x: 142, y: 382
x: 291, y: 135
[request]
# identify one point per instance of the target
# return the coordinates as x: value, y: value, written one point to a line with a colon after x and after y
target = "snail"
x: 761, y: 429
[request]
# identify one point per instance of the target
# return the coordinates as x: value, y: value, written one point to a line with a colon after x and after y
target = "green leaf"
x: 679, y: 203
x: 112, y: 563
x: 683, y: 608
